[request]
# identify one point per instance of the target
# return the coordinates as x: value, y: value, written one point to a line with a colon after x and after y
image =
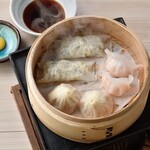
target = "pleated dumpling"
x: 121, y: 64
x: 96, y: 103
x: 116, y: 86
x: 65, y: 98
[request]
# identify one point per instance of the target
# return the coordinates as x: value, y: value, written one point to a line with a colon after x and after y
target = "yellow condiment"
x: 2, y: 43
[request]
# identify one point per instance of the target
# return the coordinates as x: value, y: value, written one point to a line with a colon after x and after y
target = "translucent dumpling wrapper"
x: 96, y: 103
x: 121, y: 64
x: 116, y: 86
x: 65, y: 70
x: 65, y: 98
x: 82, y: 46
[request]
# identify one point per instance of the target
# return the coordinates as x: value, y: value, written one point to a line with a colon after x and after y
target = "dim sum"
x: 82, y: 46
x: 116, y: 86
x: 64, y: 97
x: 96, y: 103
x: 121, y: 64
x: 65, y: 70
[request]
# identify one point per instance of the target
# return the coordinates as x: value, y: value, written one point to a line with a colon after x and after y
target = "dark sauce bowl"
x: 34, y: 17
x: 39, y: 15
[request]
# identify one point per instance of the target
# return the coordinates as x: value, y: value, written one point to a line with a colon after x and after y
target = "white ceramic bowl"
x: 17, y: 7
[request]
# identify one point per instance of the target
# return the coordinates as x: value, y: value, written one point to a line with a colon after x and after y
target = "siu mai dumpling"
x: 82, y: 46
x: 96, y: 103
x: 116, y: 86
x: 121, y: 64
x: 65, y: 98
x: 65, y: 70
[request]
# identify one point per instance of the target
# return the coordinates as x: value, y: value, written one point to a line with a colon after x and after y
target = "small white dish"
x: 17, y: 8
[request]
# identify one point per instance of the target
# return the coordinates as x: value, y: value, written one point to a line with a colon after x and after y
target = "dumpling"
x: 116, y: 86
x: 96, y: 103
x: 65, y: 70
x: 81, y: 46
x: 121, y: 64
x: 65, y: 98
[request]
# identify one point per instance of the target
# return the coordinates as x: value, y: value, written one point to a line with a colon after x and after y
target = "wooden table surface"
x: 137, y: 16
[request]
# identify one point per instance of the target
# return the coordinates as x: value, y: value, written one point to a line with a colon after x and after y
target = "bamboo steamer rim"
x: 46, y: 106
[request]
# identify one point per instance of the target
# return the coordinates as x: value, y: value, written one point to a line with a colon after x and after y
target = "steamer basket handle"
x: 121, y: 20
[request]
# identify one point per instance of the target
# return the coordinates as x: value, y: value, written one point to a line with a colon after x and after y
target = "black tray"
x: 130, y: 139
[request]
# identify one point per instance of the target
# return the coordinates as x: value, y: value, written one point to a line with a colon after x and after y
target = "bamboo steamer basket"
x: 75, y: 128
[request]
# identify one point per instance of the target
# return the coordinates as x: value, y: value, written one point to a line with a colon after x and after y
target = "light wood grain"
x: 14, y: 141
x: 136, y: 14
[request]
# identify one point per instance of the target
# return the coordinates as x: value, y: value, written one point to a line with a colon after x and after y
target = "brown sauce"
x: 39, y: 15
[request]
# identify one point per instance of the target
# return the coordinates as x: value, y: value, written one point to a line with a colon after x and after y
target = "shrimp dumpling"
x: 96, y: 103
x: 116, y: 86
x: 120, y: 64
x: 64, y: 97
